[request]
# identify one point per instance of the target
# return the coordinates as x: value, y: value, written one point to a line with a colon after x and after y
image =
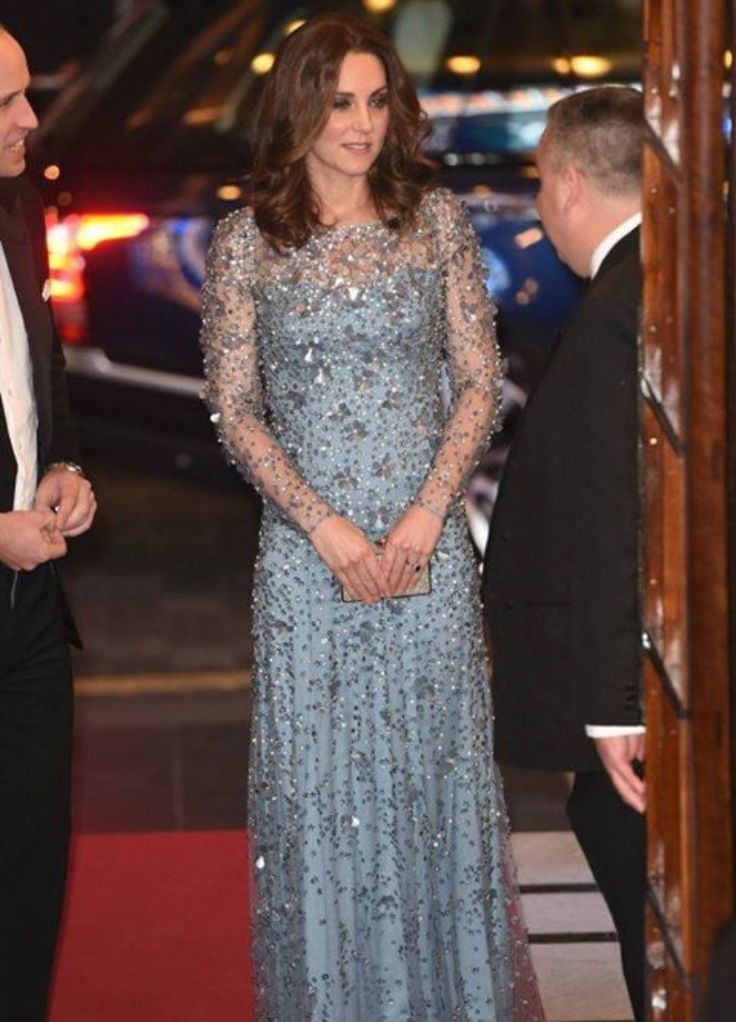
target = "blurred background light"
x: 378, y: 6
x: 201, y: 115
x: 528, y: 237
x: 262, y: 63
x: 52, y: 172
x: 229, y: 192
x: 529, y: 291
x: 584, y: 65
x: 92, y: 229
x: 463, y: 64
x: 292, y: 26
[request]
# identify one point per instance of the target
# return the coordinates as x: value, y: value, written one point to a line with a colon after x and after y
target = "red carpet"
x: 156, y: 930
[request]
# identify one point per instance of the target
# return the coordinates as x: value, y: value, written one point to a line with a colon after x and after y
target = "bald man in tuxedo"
x: 561, y: 579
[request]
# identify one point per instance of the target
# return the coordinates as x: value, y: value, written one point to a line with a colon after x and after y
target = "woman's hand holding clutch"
x: 350, y: 556
x: 408, y: 548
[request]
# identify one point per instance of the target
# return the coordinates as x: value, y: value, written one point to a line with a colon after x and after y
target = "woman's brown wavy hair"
x: 292, y: 110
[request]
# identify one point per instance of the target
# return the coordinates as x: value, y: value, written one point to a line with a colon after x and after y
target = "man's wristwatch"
x: 70, y: 466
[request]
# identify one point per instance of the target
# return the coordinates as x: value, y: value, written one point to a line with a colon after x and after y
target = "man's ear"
x: 573, y: 187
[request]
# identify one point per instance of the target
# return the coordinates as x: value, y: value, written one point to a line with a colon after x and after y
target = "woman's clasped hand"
x: 366, y: 575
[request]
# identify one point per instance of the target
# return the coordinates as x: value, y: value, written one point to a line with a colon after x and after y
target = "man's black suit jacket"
x: 23, y: 237
x: 561, y: 567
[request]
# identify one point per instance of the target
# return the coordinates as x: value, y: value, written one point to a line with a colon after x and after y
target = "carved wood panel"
x: 685, y: 350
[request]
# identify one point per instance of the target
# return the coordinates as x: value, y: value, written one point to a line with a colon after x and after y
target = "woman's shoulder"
x: 448, y: 219
x: 444, y: 210
x: 442, y: 201
x: 238, y: 225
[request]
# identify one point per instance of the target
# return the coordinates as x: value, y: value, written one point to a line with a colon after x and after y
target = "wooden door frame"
x: 688, y: 429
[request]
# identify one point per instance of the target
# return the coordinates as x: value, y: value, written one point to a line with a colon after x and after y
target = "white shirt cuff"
x: 613, y: 730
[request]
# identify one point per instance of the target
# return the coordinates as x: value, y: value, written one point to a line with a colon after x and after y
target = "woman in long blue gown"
x: 383, y: 890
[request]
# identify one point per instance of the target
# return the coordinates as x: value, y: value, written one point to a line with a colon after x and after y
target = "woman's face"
x: 353, y: 136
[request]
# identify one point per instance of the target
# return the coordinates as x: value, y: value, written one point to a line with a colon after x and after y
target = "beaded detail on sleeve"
x: 233, y: 389
x: 473, y: 359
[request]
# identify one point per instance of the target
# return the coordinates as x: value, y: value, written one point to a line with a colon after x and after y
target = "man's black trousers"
x: 612, y: 837
x: 35, y: 754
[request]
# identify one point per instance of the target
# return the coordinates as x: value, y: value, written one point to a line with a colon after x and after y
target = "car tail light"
x: 67, y: 240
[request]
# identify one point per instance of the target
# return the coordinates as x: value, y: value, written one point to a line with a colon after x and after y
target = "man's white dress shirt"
x: 611, y: 239
x: 16, y: 390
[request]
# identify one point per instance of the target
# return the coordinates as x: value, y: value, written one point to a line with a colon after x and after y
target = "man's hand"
x: 70, y: 496
x: 29, y: 538
x: 617, y: 754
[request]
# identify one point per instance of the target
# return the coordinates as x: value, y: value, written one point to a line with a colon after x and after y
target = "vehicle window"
x: 84, y: 96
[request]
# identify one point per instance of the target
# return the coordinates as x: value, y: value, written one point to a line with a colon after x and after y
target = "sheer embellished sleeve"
x: 233, y: 388
x: 473, y: 358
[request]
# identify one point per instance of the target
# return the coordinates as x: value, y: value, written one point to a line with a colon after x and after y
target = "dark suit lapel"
x: 16, y: 242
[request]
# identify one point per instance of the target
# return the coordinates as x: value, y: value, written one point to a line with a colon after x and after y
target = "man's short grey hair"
x: 601, y: 132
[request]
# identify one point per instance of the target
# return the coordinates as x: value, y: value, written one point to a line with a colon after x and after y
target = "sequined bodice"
x: 324, y: 364
x: 351, y: 363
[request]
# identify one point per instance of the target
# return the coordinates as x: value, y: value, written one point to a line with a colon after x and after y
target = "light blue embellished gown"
x: 383, y: 890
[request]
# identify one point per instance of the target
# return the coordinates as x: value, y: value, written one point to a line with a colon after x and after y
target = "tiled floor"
x: 573, y: 941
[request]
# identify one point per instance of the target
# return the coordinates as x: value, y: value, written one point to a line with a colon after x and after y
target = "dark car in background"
x: 148, y: 147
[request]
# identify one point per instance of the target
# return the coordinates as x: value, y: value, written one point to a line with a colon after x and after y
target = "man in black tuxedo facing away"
x: 561, y: 567
x: 44, y: 500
